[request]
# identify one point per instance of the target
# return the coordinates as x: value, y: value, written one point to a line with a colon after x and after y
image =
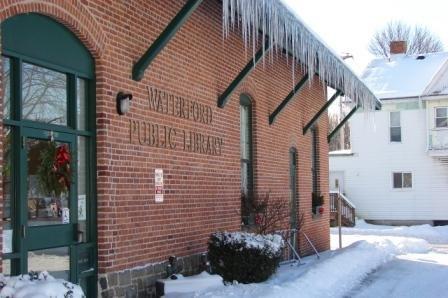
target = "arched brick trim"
x: 247, y: 87
x: 72, y: 14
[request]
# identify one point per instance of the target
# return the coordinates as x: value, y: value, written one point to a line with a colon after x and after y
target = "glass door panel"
x: 82, y: 180
x: 44, y: 95
x: 6, y: 84
x: 7, y: 191
x: 54, y: 260
x: 48, y: 181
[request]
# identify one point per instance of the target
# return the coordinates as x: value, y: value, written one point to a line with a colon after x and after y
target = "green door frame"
x: 19, y: 128
x: 46, y: 43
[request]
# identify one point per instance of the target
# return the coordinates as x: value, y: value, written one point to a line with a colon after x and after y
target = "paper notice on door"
x: 7, y: 241
x: 65, y: 215
x: 82, y: 208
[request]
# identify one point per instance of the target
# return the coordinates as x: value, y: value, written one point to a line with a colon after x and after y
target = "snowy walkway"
x: 376, y: 261
x: 410, y: 275
x: 406, y: 275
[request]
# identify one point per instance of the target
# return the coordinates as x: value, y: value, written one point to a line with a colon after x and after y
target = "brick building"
x: 80, y: 194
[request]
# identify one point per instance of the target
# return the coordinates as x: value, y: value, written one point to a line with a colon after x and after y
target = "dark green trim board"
x: 288, y: 98
x: 340, y: 125
x: 250, y: 66
x: 321, y: 111
x: 138, y: 71
x: 35, y: 37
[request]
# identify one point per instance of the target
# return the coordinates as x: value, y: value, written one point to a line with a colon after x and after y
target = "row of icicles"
x: 271, y: 20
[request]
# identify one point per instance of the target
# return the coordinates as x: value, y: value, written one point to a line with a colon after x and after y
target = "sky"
x: 348, y: 25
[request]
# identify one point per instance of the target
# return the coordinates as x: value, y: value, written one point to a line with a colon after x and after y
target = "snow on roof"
x: 341, y: 152
x: 272, y: 20
x: 403, y: 75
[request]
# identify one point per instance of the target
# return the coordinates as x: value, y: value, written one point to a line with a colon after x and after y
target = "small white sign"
x: 82, y: 207
x: 65, y: 215
x: 7, y: 241
x: 158, y: 185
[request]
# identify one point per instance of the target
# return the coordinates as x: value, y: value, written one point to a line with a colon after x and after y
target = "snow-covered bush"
x: 38, y: 285
x: 244, y: 257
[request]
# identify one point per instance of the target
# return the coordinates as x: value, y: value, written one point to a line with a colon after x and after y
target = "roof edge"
x: 436, y: 77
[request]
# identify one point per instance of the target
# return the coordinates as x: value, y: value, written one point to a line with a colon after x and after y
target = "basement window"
x: 402, y: 180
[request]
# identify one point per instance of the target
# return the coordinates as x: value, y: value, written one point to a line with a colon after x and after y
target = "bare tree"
x: 419, y: 39
x: 269, y: 214
x: 336, y: 142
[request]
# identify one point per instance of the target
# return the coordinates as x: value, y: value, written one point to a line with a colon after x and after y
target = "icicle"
x: 286, y: 31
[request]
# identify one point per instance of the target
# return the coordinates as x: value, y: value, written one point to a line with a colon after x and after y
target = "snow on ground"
x: 333, y: 276
x: 408, y: 276
x: 41, y: 285
x: 376, y: 261
x: 431, y: 234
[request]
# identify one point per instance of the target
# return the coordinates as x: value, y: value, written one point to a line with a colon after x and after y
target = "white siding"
x: 368, y: 173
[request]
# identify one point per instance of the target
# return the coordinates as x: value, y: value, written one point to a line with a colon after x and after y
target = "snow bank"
x: 403, y: 245
x: 335, y: 275
x: 189, y: 285
x: 41, y: 285
x: 436, y: 235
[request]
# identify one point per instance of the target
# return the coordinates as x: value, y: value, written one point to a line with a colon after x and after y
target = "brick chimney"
x: 398, y: 47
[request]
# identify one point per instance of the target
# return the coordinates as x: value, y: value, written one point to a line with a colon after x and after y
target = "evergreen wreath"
x: 54, y: 172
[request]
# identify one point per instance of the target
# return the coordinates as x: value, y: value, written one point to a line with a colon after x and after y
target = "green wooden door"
x: 48, y: 202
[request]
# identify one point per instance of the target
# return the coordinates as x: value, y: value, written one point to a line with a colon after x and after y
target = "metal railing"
x: 438, y: 139
x: 290, y: 251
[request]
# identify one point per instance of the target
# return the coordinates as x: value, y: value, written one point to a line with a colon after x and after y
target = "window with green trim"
x: 315, y: 160
x: 246, y: 145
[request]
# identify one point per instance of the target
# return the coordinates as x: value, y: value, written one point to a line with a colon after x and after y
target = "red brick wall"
x: 202, y: 191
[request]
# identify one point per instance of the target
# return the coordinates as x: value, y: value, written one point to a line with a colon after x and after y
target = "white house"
x: 397, y: 168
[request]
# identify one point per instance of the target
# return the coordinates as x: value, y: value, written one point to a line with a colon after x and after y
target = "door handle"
x: 23, y: 231
x: 79, y: 234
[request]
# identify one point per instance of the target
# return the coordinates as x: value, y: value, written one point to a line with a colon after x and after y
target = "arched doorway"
x: 48, y: 151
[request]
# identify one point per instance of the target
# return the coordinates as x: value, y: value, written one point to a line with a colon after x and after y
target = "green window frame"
x: 315, y: 171
x: 246, y: 159
x: 246, y: 147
